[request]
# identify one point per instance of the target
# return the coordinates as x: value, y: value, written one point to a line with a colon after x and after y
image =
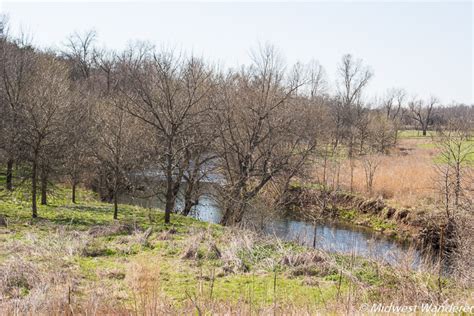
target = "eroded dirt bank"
x: 422, y: 227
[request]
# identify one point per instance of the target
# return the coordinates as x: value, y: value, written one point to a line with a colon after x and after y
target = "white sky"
x: 426, y: 48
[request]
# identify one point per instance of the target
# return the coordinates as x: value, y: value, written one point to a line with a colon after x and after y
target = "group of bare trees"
x: 89, y: 115
x: 105, y: 119
x: 263, y: 132
x: 35, y: 102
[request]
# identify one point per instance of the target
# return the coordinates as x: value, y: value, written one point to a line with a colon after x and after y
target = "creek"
x: 331, y: 236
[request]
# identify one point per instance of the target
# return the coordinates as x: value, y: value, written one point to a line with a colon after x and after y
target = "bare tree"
x: 43, y: 115
x: 79, y: 49
x: 382, y: 132
x: 353, y: 78
x: 456, y: 149
x: 119, y: 143
x: 3, y: 26
x: 202, y: 157
x: 17, y: 60
x: 392, y: 104
x: 79, y: 132
x: 106, y: 63
x: 370, y: 163
x: 349, y: 112
x: 255, y: 116
x: 318, y: 84
x: 422, y: 112
x: 165, y: 91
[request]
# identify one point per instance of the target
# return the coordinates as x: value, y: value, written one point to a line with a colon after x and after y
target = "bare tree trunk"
x: 104, y: 191
x: 115, y: 193
x: 188, y: 202
x: 233, y: 215
x: 234, y: 211
x: 457, y: 185
x: 44, y: 187
x: 115, y: 205
x: 9, y: 179
x: 395, y: 138
x: 192, y: 185
x: 73, y: 198
x: 169, y: 207
x: 34, y: 208
x: 226, y: 217
x: 315, y: 234
x: 237, y: 203
x: 188, y: 205
x: 239, y: 215
x: 170, y: 188
x: 446, y: 189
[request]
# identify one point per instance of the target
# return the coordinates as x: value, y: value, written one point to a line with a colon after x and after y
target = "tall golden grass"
x: 407, y: 175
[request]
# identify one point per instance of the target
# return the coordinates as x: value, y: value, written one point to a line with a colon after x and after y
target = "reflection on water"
x: 339, y: 238
x: 331, y: 237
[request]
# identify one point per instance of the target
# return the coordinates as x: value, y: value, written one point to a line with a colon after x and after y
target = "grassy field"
x: 76, y: 258
x: 429, y: 142
x: 412, y: 133
x: 407, y: 176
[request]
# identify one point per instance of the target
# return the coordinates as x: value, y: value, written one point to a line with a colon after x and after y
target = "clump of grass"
x: 380, y: 224
x: 96, y: 248
x: 114, y: 229
x: 18, y: 278
x: 311, y: 263
x: 348, y: 215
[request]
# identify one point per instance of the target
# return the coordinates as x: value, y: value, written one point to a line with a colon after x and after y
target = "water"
x: 330, y: 236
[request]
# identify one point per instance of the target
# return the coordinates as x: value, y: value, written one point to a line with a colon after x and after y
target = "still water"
x: 332, y: 237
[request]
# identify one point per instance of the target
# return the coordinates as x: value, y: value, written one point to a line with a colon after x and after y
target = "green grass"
x: 466, y: 147
x: 414, y: 134
x: 178, y: 277
x: 427, y: 145
x: 82, y: 215
x: 467, y: 150
x: 123, y: 266
x: 379, y: 224
x: 372, y: 221
x: 347, y: 215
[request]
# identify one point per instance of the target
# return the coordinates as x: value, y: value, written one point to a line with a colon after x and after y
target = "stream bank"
x: 420, y: 227
x: 328, y: 235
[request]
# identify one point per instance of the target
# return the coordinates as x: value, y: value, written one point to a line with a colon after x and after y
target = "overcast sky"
x: 426, y: 48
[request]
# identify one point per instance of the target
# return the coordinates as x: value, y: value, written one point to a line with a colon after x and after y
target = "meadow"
x: 407, y: 176
x: 75, y: 259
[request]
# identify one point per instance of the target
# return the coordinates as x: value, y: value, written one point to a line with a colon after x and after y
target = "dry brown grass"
x: 407, y: 175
